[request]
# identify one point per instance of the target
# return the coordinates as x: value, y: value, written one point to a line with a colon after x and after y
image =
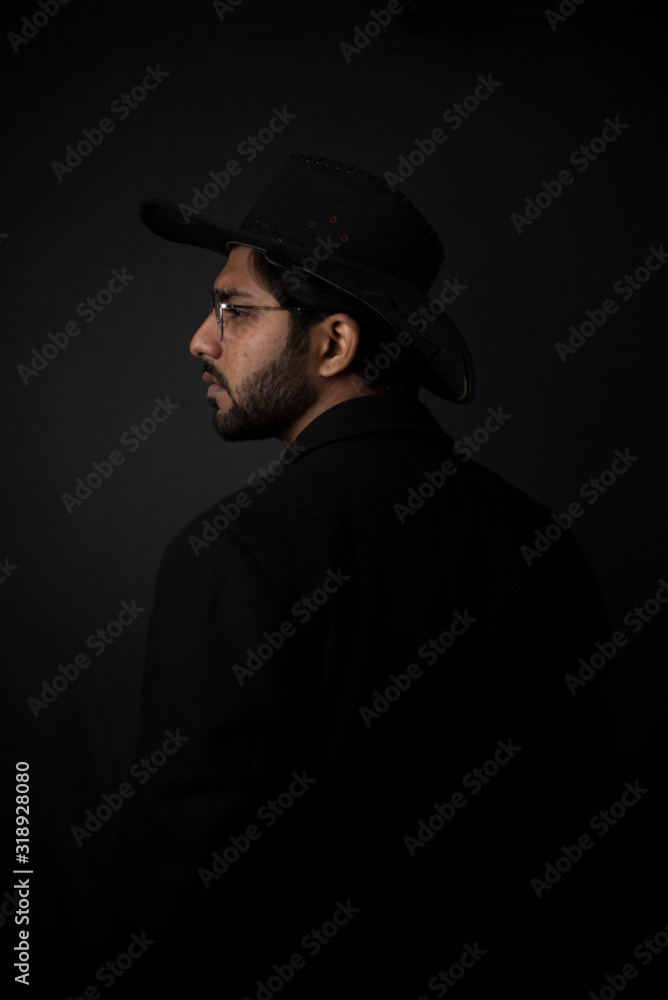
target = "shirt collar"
x: 364, y: 415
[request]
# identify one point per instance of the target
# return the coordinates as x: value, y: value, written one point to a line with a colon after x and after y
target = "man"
x: 356, y: 671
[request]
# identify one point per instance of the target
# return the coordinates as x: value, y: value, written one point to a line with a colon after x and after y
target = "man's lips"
x: 214, y: 388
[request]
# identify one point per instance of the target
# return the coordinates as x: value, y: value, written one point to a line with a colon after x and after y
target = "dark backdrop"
x: 64, y: 232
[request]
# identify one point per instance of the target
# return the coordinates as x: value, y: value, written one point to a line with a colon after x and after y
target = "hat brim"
x: 442, y: 356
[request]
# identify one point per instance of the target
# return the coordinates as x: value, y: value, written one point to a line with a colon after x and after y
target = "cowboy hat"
x: 348, y: 228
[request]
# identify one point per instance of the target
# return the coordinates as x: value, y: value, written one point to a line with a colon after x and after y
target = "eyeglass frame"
x: 220, y: 307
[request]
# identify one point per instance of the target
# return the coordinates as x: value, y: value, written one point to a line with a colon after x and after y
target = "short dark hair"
x: 317, y: 300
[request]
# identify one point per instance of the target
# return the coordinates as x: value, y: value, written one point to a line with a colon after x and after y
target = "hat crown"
x: 324, y: 205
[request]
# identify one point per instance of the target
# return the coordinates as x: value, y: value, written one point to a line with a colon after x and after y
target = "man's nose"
x: 207, y: 339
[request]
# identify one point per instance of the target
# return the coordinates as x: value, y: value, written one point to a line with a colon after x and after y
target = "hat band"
x: 313, y: 274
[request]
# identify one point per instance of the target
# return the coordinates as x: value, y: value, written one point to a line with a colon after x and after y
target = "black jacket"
x: 294, y: 658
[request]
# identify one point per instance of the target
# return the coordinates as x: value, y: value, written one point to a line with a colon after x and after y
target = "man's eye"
x: 235, y: 311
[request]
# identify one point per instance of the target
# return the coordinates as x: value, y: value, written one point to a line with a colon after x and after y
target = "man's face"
x: 259, y: 384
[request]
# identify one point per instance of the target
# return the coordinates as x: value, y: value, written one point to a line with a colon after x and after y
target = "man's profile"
x: 379, y: 750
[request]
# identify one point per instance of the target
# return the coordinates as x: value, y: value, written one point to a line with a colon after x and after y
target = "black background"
x: 61, y: 240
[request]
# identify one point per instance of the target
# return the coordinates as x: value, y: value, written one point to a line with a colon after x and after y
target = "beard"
x: 269, y: 400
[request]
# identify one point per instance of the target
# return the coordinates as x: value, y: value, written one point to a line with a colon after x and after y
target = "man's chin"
x: 233, y: 427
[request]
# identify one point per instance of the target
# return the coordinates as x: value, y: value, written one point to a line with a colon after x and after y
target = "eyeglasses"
x: 224, y: 311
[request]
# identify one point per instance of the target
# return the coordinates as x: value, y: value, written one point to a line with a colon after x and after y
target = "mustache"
x: 216, y: 375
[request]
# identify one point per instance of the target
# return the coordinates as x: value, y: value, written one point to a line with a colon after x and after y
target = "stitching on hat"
x: 398, y: 196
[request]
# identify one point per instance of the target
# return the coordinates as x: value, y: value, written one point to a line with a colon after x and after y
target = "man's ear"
x: 336, y: 341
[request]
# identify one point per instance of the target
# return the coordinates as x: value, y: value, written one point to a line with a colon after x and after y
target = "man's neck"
x: 347, y: 388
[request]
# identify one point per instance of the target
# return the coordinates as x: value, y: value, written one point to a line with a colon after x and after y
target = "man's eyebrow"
x: 232, y: 293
